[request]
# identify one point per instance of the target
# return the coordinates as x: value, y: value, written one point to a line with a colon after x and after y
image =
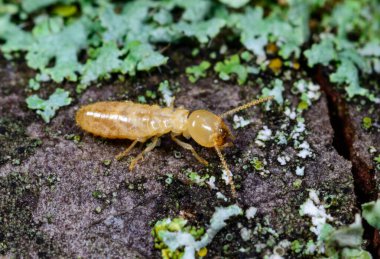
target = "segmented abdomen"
x: 128, y: 120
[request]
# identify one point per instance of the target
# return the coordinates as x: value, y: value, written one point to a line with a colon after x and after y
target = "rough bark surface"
x: 48, y: 180
x: 355, y: 143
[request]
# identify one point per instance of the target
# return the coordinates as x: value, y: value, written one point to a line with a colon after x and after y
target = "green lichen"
x: 173, y: 225
x: 47, y: 108
x: 240, y: 122
x: 276, y: 91
x: 322, y: 53
x: 98, y: 194
x: 203, y: 31
x: 177, y: 240
x: 353, y: 57
x: 169, y: 179
x: 371, y: 213
x: 196, y: 72
x: 297, y: 184
x: 297, y: 246
x: 196, y: 178
x: 166, y: 92
x: 232, y: 66
x: 367, y: 123
x: 124, y: 38
x: 235, y: 3
x: 289, y: 30
x: 107, y: 162
x: 343, y: 242
x: 377, y: 161
x: 308, y: 92
x: 257, y: 164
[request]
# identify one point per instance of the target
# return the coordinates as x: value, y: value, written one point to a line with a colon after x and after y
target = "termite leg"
x: 189, y: 147
x: 146, y: 150
x: 125, y: 152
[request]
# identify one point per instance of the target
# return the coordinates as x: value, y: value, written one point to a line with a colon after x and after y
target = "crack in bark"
x: 344, y: 135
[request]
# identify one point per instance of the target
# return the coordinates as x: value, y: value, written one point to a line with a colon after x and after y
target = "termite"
x: 140, y: 122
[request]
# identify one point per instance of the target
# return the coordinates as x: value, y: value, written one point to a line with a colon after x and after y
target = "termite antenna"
x: 229, y: 174
x: 246, y: 106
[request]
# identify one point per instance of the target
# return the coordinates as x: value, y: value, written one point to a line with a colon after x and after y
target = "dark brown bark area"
x: 364, y: 168
x: 354, y: 142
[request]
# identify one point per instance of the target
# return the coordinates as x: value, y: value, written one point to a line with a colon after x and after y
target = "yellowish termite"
x: 140, y: 122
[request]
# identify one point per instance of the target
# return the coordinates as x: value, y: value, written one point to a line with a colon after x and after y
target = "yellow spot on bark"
x: 275, y: 65
x: 296, y: 65
x: 202, y: 252
x: 65, y: 10
x: 272, y: 48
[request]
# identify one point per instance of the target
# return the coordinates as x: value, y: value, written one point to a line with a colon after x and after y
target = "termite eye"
x: 223, y: 134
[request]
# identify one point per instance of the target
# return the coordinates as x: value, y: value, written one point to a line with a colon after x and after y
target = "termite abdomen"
x: 128, y: 120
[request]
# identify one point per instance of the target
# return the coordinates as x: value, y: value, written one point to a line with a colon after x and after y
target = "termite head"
x: 208, y: 129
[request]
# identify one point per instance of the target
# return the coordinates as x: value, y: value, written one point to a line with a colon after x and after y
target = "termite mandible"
x: 140, y: 122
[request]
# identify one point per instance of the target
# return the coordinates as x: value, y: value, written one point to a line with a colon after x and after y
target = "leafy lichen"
x: 353, y: 58
x: 47, y: 108
x: 371, y: 213
x: 230, y: 66
x: 176, y: 240
x: 123, y: 38
x: 196, y: 72
x: 344, y: 242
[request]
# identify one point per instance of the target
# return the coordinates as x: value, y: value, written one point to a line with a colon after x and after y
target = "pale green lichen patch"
x: 196, y: 178
x: 259, y: 237
x: 289, y: 145
x: 300, y: 171
x: 250, y: 213
x: 377, y: 161
x: 232, y: 66
x: 276, y: 91
x: 283, y: 159
x: 343, y: 242
x: 263, y: 136
x: 176, y: 240
x: 226, y: 177
x: 54, y: 40
x: 47, y: 108
x: 314, y: 209
x: 291, y: 130
x: 367, y: 123
x: 199, y: 71
x: 289, y: 33
x: 84, y: 41
x: 371, y: 213
x: 240, y: 122
x: 305, y: 150
x: 308, y: 91
x: 235, y: 3
x: 166, y: 92
x: 352, y: 56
